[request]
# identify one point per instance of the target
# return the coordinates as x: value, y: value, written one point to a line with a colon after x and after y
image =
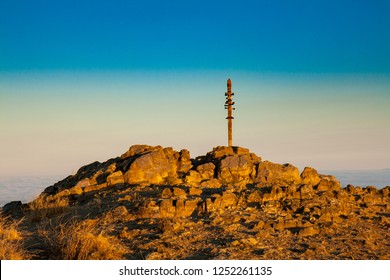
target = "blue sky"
x: 288, y: 36
x: 83, y: 80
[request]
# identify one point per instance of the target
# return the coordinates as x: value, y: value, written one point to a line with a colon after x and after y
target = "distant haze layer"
x: 52, y: 123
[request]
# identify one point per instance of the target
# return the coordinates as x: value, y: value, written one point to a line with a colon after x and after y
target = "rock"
x: 184, y: 164
x: 178, y: 192
x: 279, y: 226
x: 350, y: 189
x: 249, y: 241
x: 385, y: 192
x: 255, y: 159
x: 115, y: 178
x: 310, y: 176
x: 167, y: 209
x: 290, y: 223
x: 76, y: 190
x: 220, y: 202
x: 206, y: 170
x: 259, y: 225
x: 190, y: 206
x: 235, y: 168
x: 220, y: 151
x: 306, y: 191
x: 195, y: 191
x: 166, y: 193
x: 83, y: 183
x: 309, y: 231
x: 328, y: 183
x: 11, y: 207
x: 152, y: 168
x: 228, y: 200
x: 274, y: 173
x: 180, y: 208
x: 325, y: 217
x: 211, y: 184
x: 255, y: 196
x: 135, y: 150
x: 111, y: 168
x: 293, y: 192
x: 275, y: 194
x: 193, y: 179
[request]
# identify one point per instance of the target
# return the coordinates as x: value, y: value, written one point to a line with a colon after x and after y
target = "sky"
x: 84, y: 80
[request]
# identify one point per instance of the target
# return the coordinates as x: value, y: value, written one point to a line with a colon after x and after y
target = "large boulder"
x: 221, y: 152
x: 235, y: 168
x: 153, y: 167
x: 310, y: 176
x: 206, y: 170
x: 135, y: 150
x: 273, y: 173
x: 193, y: 178
x: 328, y: 183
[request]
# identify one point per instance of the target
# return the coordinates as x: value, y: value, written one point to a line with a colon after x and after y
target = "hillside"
x: 158, y: 203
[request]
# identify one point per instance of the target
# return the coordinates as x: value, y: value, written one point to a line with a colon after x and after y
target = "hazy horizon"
x: 81, y: 82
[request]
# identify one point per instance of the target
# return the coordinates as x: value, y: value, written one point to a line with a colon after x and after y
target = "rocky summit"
x: 159, y: 203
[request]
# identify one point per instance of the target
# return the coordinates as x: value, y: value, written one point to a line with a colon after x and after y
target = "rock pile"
x: 232, y: 196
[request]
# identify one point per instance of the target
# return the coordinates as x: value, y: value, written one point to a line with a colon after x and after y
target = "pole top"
x: 229, y: 85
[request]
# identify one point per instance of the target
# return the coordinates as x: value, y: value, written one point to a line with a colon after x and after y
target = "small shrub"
x: 81, y: 240
x: 11, y: 240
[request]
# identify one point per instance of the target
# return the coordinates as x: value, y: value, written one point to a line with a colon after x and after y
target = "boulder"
x: 268, y: 172
x: 310, y: 176
x: 152, y: 167
x: 178, y: 192
x: 135, y: 150
x: 167, y: 209
x: 235, y: 168
x: 328, y: 183
x: 206, y: 170
x: 193, y: 179
x: 184, y: 164
x: 220, y: 152
x: 115, y: 178
x: 166, y: 193
x: 11, y: 207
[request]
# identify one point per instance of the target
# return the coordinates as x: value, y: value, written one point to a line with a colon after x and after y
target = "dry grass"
x: 11, y: 240
x: 81, y: 240
x: 46, y: 207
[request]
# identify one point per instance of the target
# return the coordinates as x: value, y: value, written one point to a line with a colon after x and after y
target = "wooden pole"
x: 229, y: 106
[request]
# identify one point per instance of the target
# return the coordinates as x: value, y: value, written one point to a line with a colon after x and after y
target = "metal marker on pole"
x: 229, y: 106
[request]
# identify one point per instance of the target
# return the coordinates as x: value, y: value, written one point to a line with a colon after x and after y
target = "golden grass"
x: 11, y: 240
x: 81, y: 240
x: 45, y: 207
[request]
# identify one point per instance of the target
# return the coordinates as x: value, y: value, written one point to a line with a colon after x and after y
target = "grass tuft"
x: 46, y: 207
x: 11, y: 240
x: 81, y: 240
